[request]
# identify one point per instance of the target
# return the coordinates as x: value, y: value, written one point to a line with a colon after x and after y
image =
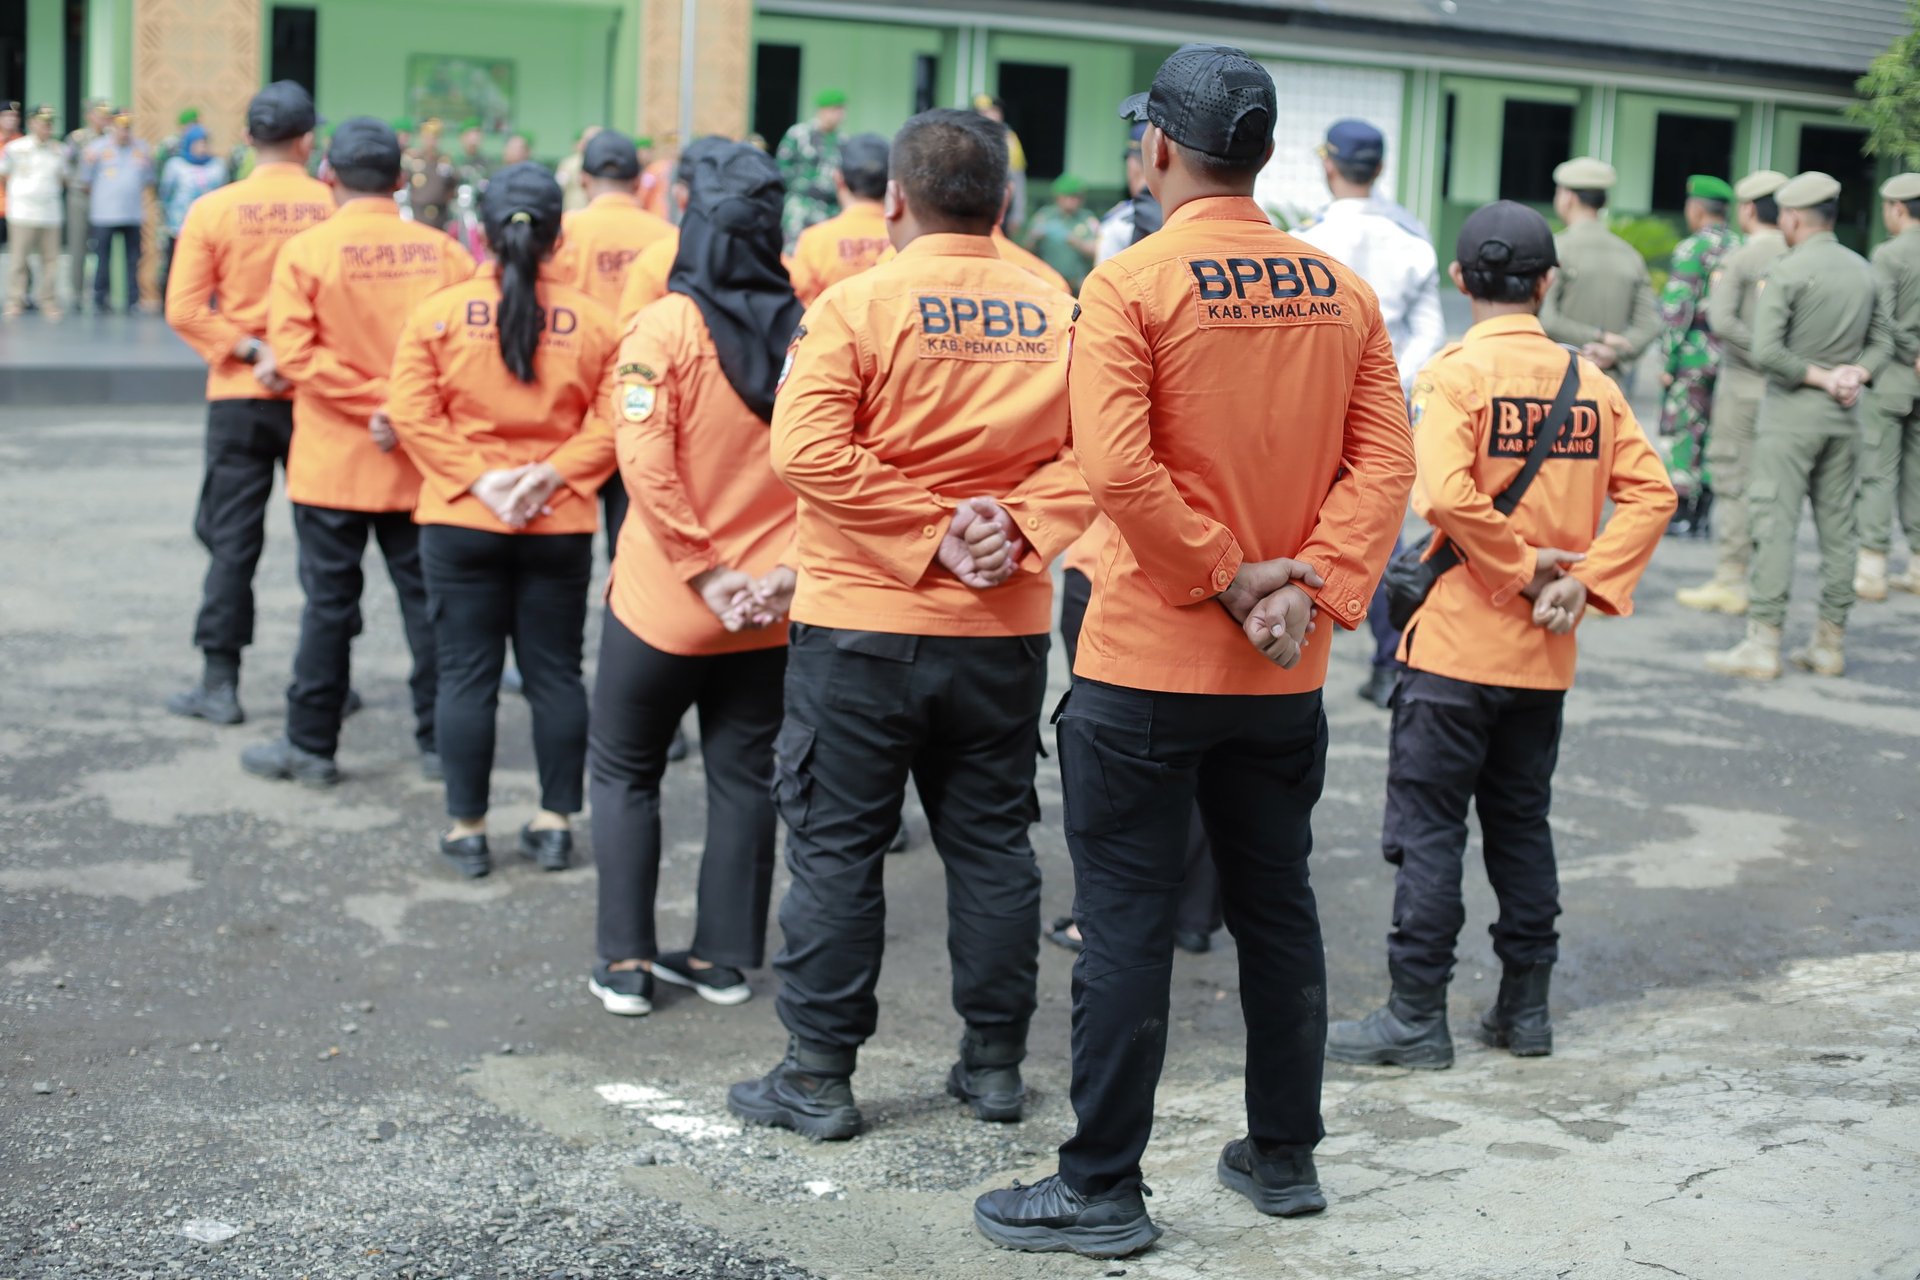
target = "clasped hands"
x: 1606, y: 352
x: 1843, y: 383
x: 1272, y: 608
x: 1558, y: 597
x: 742, y: 601
x: 982, y: 546
x: 517, y: 495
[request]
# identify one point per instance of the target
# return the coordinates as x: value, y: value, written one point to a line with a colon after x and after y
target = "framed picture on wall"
x: 453, y: 88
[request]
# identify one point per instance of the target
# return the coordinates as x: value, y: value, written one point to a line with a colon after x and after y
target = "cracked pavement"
x: 233, y: 1003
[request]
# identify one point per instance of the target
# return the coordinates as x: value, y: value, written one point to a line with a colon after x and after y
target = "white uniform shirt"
x: 36, y: 175
x: 1116, y: 231
x: 1402, y: 269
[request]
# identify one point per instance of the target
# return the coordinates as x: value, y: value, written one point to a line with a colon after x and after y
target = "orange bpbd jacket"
x: 696, y: 464
x: 1476, y: 407
x: 1234, y: 398
x: 1031, y: 263
x: 223, y: 268
x: 828, y: 252
x: 342, y: 292
x: 647, y: 274
x: 601, y: 241
x: 460, y: 413
x: 934, y: 378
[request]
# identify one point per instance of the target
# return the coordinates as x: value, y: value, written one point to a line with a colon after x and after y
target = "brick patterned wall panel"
x: 1312, y: 96
x: 192, y: 53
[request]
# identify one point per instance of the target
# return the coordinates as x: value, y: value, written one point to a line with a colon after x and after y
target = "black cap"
x: 611, y: 154
x: 279, y: 112
x: 524, y: 188
x: 1212, y: 98
x: 1507, y: 237
x: 366, y: 145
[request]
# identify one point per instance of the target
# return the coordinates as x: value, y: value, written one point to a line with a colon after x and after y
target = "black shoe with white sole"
x: 1281, y: 1181
x: 717, y: 985
x: 627, y: 992
x: 284, y: 762
x: 1051, y: 1217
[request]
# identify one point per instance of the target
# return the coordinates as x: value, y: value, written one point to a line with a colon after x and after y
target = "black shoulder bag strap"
x: 1550, y: 428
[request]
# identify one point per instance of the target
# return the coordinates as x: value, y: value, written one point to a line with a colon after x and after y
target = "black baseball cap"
x: 279, y: 112
x: 611, y: 154
x: 1212, y: 98
x: 524, y: 188
x: 1506, y: 237
x: 365, y: 145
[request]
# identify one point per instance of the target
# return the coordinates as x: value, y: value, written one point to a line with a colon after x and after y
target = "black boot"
x: 1280, y: 1181
x: 987, y: 1077
x: 1518, y: 1021
x: 1703, y: 515
x: 809, y: 1092
x: 1409, y: 1031
x: 1051, y: 1217
x: 216, y: 699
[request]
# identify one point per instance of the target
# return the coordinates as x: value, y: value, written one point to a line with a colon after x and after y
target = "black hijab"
x: 729, y: 264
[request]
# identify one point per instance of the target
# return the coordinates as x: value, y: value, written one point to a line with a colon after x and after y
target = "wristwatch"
x: 252, y: 354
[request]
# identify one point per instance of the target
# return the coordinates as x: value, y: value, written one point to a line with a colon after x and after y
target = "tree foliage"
x: 1890, y: 97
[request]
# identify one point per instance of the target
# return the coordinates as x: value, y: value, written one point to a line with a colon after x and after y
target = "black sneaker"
x: 284, y: 762
x: 1193, y: 941
x: 1051, y: 1217
x: 431, y: 768
x: 469, y: 855
x: 717, y: 985
x: 1284, y: 1184
x: 552, y: 847
x: 216, y: 704
x: 628, y: 992
x: 791, y: 1097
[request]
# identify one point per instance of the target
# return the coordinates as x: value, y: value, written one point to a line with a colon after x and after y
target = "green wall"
x: 1635, y: 124
x: 46, y: 48
x: 1098, y: 77
x: 573, y: 64
x: 871, y: 62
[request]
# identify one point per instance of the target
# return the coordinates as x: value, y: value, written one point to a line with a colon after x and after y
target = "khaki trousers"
x: 1736, y: 406
x: 28, y: 241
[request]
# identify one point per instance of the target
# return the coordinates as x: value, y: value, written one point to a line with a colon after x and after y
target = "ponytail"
x: 519, y: 299
x: 521, y: 210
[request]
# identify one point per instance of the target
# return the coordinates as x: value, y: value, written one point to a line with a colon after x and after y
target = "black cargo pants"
x: 1453, y: 742
x: 246, y: 439
x: 865, y: 712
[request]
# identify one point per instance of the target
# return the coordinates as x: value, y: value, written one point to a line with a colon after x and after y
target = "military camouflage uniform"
x: 1690, y: 355
x: 807, y: 157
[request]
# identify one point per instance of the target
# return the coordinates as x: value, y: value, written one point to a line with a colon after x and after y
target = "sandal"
x: 1060, y: 933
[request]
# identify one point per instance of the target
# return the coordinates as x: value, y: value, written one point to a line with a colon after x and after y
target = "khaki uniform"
x: 1603, y: 287
x: 1819, y: 306
x: 1733, y: 297
x: 1890, y: 415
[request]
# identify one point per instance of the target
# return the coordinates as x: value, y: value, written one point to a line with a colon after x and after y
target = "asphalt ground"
x: 232, y: 1008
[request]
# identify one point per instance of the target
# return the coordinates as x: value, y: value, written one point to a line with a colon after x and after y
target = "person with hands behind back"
x: 1238, y: 414
x: 923, y: 425
x: 499, y: 394
x: 696, y: 611
x: 217, y: 298
x: 1490, y: 654
x: 342, y: 292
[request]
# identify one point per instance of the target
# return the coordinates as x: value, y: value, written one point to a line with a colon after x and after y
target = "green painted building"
x: 1474, y: 107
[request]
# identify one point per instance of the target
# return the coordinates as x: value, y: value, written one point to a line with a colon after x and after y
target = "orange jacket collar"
x: 615, y: 197
x: 946, y: 244
x: 278, y: 167
x: 1219, y: 209
x: 368, y: 207
x: 1506, y: 327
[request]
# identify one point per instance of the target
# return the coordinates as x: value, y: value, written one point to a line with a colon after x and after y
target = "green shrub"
x: 1655, y: 238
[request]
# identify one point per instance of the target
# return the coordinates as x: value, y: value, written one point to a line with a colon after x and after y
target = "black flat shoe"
x: 469, y: 855
x: 552, y: 848
x: 1192, y: 941
x: 1060, y: 934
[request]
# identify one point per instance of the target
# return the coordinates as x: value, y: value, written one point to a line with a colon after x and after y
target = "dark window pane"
x: 295, y: 33
x: 1836, y: 149
x: 1684, y: 146
x: 1534, y: 138
x: 776, y: 90
x: 1036, y: 98
x: 926, y: 77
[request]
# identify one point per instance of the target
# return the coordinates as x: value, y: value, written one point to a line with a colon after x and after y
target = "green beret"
x: 1703, y: 186
x: 1901, y: 186
x: 189, y: 116
x: 1068, y: 185
x: 1760, y: 184
x: 471, y: 122
x: 831, y: 98
x: 1808, y: 189
x: 643, y: 143
x: 403, y: 124
x: 1584, y: 173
